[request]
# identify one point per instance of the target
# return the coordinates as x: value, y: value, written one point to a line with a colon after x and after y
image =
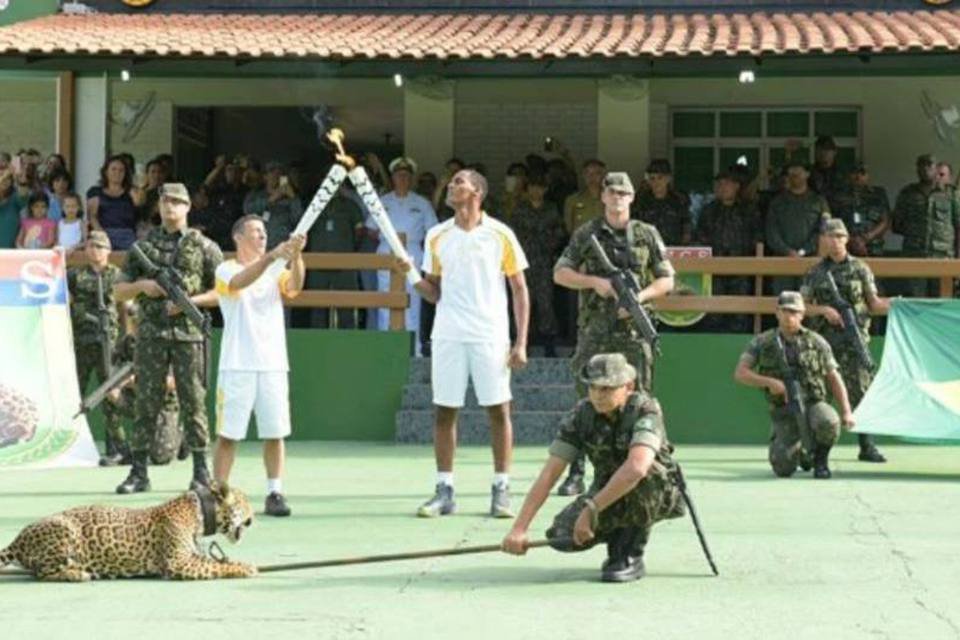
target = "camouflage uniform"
x: 928, y: 218
x: 862, y: 209
x: 813, y: 361
x: 168, y: 434
x: 88, y: 348
x: 826, y: 181
x: 600, y: 329
x: 854, y: 282
x: 540, y: 233
x: 607, y: 443
x: 669, y: 215
x: 172, y: 341
x: 730, y: 231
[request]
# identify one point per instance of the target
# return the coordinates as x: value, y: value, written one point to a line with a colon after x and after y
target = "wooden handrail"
x: 753, y: 266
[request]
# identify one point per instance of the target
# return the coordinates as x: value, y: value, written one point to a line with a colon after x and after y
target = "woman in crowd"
x: 113, y: 205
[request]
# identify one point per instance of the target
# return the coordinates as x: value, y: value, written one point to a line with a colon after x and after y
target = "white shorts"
x: 454, y: 363
x: 264, y: 393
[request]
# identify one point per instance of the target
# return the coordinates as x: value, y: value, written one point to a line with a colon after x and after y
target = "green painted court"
x: 869, y: 554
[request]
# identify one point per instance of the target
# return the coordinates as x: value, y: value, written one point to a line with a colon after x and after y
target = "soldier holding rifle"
x: 841, y: 293
x: 794, y: 366
x: 93, y: 314
x: 171, y: 273
x: 605, y: 324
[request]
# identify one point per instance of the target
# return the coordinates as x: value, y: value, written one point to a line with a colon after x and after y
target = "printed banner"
x: 916, y: 393
x: 688, y: 284
x: 38, y: 379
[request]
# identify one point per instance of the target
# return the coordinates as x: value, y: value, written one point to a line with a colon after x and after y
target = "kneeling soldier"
x: 794, y: 356
x: 621, y: 431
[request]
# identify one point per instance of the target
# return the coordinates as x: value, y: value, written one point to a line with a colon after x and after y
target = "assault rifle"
x: 102, y: 320
x: 116, y: 378
x: 627, y: 287
x: 172, y: 282
x: 851, y: 330
x: 794, y: 401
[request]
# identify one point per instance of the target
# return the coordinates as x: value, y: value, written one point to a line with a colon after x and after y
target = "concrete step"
x: 537, y: 371
x: 529, y: 427
x: 548, y: 397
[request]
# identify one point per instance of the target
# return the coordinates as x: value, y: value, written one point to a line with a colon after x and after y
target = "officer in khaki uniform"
x: 87, y: 284
x: 585, y: 205
x: 167, y: 338
x: 768, y: 361
x: 621, y: 430
x: 857, y: 287
x: 629, y: 244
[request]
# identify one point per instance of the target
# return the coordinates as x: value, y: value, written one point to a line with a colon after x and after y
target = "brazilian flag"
x: 916, y: 393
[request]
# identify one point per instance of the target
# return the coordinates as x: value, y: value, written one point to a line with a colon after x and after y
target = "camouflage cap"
x: 99, y: 239
x: 926, y: 159
x: 175, y: 190
x: 791, y: 301
x: 834, y: 227
x: 660, y: 166
x: 618, y: 181
x: 608, y: 370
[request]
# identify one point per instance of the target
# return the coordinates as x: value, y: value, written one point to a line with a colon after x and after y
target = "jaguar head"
x: 234, y: 513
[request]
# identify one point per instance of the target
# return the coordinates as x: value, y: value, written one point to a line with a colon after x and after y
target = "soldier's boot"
x: 184, y: 451
x: 868, y: 450
x: 201, y: 475
x: 137, y: 481
x: 821, y: 470
x: 111, y: 456
x: 624, y: 561
x: 806, y: 460
x: 573, y: 485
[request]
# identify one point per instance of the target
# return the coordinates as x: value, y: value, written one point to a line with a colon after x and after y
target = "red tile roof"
x: 482, y: 36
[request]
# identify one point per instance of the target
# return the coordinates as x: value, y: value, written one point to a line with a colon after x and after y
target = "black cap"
x: 826, y: 142
x: 659, y: 165
x: 795, y: 162
x: 727, y: 174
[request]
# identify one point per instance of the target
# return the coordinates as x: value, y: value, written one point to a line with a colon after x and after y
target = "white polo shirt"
x: 254, y: 334
x: 472, y: 266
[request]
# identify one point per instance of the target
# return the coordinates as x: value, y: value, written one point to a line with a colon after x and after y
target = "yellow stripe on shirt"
x: 509, y: 260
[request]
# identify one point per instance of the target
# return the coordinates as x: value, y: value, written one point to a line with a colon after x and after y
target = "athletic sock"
x: 501, y: 480
x: 445, y: 477
x: 274, y: 485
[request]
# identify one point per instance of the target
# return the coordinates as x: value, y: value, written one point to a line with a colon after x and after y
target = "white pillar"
x: 91, y: 139
x: 623, y: 124
x: 428, y: 122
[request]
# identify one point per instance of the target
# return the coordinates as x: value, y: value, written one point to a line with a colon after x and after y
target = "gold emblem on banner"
x: 138, y: 4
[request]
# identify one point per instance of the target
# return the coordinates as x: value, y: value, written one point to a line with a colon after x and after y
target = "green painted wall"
x: 344, y: 385
x: 701, y: 402
x: 19, y: 10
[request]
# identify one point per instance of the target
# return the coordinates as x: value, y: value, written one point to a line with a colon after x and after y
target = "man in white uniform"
x: 253, y: 353
x: 471, y: 254
x: 413, y: 215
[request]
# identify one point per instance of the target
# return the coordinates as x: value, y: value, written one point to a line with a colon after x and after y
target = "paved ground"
x: 870, y: 554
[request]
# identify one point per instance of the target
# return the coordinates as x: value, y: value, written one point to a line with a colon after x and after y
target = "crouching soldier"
x: 794, y: 365
x: 621, y: 431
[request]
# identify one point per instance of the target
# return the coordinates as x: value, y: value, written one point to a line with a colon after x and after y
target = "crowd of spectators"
x: 544, y: 196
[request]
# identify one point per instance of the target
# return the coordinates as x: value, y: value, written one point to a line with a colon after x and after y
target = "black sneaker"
x: 276, y: 505
x: 441, y: 504
x: 572, y: 486
x: 500, y: 501
x: 871, y: 454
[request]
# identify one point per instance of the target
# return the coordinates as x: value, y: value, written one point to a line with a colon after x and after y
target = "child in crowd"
x: 71, y: 230
x: 37, y: 231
